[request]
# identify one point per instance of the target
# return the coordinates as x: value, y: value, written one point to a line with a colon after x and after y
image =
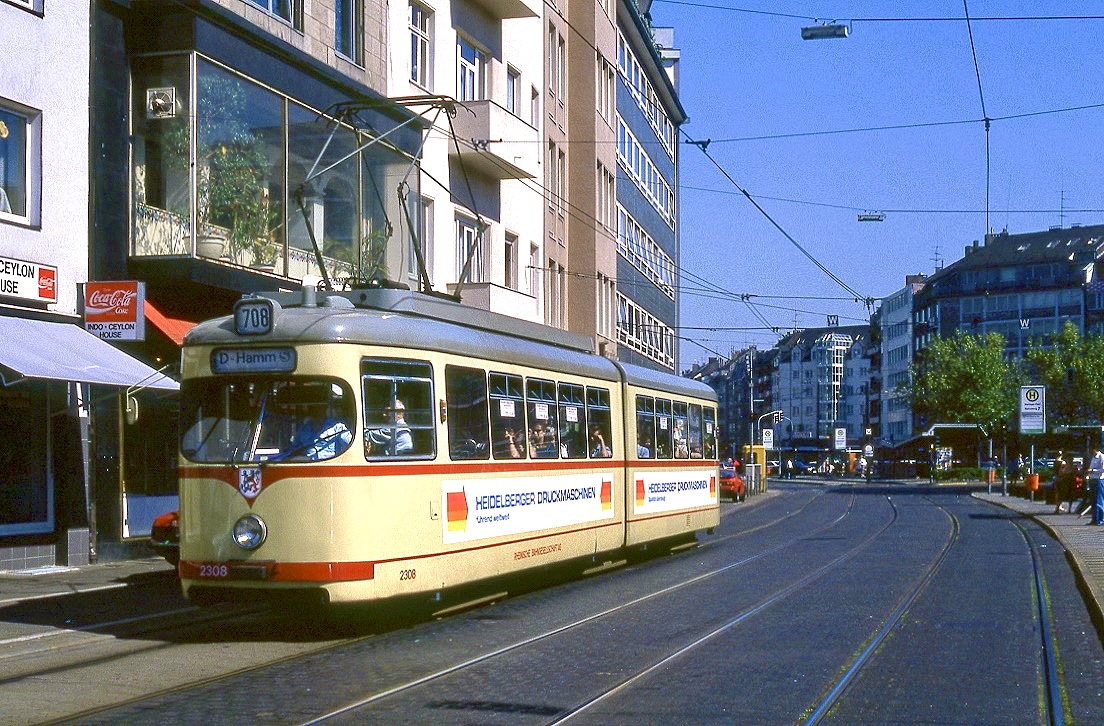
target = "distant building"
x: 1023, y: 286
x: 896, y: 348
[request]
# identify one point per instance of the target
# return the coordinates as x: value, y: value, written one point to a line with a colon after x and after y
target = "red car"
x: 732, y: 485
x: 165, y: 537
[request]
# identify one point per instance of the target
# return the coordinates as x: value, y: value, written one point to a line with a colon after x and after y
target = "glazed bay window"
x: 229, y: 180
x: 15, y: 162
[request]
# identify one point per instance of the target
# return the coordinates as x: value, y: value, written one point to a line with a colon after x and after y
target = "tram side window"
x: 682, y: 447
x: 645, y: 427
x: 507, y: 416
x: 664, y: 428
x: 466, y: 393
x: 398, y: 408
x: 600, y: 437
x: 540, y: 400
x: 573, y: 434
x: 710, y: 436
x: 695, y: 437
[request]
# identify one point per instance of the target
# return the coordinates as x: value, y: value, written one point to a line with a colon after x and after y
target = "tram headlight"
x: 250, y: 532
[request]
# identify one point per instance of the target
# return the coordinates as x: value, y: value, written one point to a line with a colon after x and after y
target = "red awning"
x: 174, y: 328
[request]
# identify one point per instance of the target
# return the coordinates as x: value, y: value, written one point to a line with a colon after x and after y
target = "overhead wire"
x: 985, y: 115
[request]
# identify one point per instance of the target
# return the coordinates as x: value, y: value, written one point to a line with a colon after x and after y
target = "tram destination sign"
x: 253, y: 360
x: 1032, y: 409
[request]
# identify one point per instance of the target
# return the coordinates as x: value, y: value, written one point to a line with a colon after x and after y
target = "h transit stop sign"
x: 1032, y: 409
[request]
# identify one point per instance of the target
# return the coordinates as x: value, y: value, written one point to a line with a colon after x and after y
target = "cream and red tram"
x: 362, y: 445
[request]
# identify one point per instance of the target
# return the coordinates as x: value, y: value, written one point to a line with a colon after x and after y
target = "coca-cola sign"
x: 115, y: 310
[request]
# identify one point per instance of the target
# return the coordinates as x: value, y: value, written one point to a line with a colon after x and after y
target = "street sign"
x: 841, y: 438
x: 768, y: 438
x: 1032, y: 409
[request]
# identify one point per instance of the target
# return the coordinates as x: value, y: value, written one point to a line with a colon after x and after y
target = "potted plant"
x: 234, y: 216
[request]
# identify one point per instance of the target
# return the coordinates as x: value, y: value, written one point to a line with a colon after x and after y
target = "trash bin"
x: 1031, y: 481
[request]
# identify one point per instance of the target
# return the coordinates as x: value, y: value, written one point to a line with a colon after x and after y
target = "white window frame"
x: 353, y: 35
x: 467, y: 233
x: 289, y: 14
x: 513, y: 91
x: 471, y: 74
x: 29, y: 178
x: 420, y: 22
x: 423, y: 217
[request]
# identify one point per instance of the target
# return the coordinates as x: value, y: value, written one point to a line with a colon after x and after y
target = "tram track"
x: 111, y: 712
x: 426, y: 681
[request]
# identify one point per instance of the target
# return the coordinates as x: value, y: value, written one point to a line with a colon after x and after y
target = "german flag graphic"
x: 457, y: 511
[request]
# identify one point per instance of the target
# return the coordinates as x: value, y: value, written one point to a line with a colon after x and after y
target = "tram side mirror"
x: 131, y: 410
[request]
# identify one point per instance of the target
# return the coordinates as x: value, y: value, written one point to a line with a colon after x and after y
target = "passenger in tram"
x: 393, y: 437
x: 508, y: 447
x: 542, y: 441
x: 644, y: 448
x: 598, y: 447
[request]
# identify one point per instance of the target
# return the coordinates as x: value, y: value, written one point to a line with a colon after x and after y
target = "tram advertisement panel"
x: 664, y: 491
x: 481, y: 508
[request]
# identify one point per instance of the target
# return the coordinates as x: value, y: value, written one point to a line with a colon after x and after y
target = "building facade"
x: 647, y: 119
x: 895, y: 327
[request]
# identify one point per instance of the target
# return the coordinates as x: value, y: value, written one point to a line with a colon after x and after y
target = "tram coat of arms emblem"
x: 249, y: 482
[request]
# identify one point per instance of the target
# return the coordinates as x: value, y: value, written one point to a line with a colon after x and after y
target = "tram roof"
x: 406, y: 320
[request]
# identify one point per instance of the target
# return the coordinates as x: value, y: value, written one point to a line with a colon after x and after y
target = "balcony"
x: 510, y: 8
x: 496, y: 143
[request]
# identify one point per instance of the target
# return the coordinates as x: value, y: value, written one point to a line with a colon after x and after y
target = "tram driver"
x: 393, y: 436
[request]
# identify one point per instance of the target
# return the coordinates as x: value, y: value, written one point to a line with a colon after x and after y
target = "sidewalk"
x: 18, y: 586
x: 1085, y: 544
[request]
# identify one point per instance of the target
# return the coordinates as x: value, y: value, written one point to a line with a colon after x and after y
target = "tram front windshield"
x: 265, y: 419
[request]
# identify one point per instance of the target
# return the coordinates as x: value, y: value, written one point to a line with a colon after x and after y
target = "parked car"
x: 773, y: 467
x: 732, y: 485
x: 165, y: 536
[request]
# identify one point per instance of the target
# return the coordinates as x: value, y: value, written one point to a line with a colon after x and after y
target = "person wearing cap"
x: 391, y: 438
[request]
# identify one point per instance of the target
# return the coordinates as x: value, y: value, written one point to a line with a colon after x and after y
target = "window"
x: 710, y: 432
x: 599, y: 423
x: 663, y: 428
x: 606, y: 85
x: 398, y: 408
x: 469, y: 252
x: 682, y: 446
x: 645, y: 427
x: 540, y: 402
x: 471, y: 69
x: 513, y: 91
x: 508, y: 416
x: 15, y: 163
x: 573, y: 431
x: 286, y: 9
x: 250, y: 420
x: 511, y: 261
x: 420, y: 44
x: 534, y: 107
x: 423, y: 218
x: 466, y: 393
x: 348, y: 31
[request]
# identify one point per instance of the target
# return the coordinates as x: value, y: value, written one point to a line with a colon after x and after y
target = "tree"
x: 1072, y: 369
x: 965, y: 379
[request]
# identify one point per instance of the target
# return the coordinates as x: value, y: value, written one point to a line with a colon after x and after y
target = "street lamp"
x: 824, y: 31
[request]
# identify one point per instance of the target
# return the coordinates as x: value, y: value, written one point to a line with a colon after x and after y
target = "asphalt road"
x: 843, y: 604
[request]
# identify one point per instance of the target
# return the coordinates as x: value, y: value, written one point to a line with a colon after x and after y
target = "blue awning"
x: 64, y: 352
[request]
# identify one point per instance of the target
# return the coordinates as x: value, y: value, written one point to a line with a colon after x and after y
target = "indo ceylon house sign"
x: 115, y: 310
x: 28, y: 280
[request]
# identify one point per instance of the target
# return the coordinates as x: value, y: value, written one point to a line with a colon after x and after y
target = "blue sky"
x: 771, y: 105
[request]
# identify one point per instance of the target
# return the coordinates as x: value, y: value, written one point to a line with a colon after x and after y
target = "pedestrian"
x: 1064, y: 474
x: 1096, y: 468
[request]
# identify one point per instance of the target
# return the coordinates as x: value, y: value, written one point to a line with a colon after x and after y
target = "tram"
x: 355, y: 446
